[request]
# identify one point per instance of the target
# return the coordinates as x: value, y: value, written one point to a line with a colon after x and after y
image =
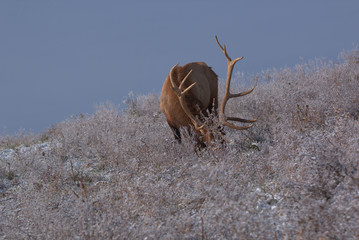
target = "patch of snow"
x: 7, y: 154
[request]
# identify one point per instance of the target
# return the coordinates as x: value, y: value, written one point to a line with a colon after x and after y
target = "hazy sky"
x: 60, y: 58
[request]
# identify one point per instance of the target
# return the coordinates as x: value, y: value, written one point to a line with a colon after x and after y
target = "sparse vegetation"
x: 120, y: 175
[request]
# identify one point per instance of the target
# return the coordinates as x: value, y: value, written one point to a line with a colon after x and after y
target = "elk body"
x: 190, y: 93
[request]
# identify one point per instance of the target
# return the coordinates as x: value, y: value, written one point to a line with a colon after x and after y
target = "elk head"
x: 190, y: 93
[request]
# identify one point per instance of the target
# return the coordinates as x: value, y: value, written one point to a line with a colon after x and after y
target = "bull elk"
x: 190, y: 93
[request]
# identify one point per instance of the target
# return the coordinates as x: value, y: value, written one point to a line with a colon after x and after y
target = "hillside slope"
x: 120, y: 175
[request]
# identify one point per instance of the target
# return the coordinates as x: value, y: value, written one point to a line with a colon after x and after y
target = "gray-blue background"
x: 59, y: 58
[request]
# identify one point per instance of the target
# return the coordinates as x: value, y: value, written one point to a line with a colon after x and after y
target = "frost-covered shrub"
x: 120, y: 175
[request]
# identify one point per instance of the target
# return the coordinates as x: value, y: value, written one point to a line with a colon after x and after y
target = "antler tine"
x: 236, y: 127
x: 181, y: 97
x: 241, y: 119
x: 224, y: 50
x: 183, y: 81
x: 178, y: 90
x: 243, y: 93
x: 228, y: 95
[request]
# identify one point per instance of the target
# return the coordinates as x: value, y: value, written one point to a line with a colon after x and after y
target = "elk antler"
x: 181, y: 96
x: 228, y: 94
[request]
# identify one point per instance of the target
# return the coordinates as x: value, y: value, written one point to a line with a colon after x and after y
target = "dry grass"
x: 120, y: 175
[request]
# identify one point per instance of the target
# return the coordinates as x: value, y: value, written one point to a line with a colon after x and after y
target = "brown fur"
x: 202, y: 98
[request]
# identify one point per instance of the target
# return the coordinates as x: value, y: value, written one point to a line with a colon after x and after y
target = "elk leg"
x: 176, y: 133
